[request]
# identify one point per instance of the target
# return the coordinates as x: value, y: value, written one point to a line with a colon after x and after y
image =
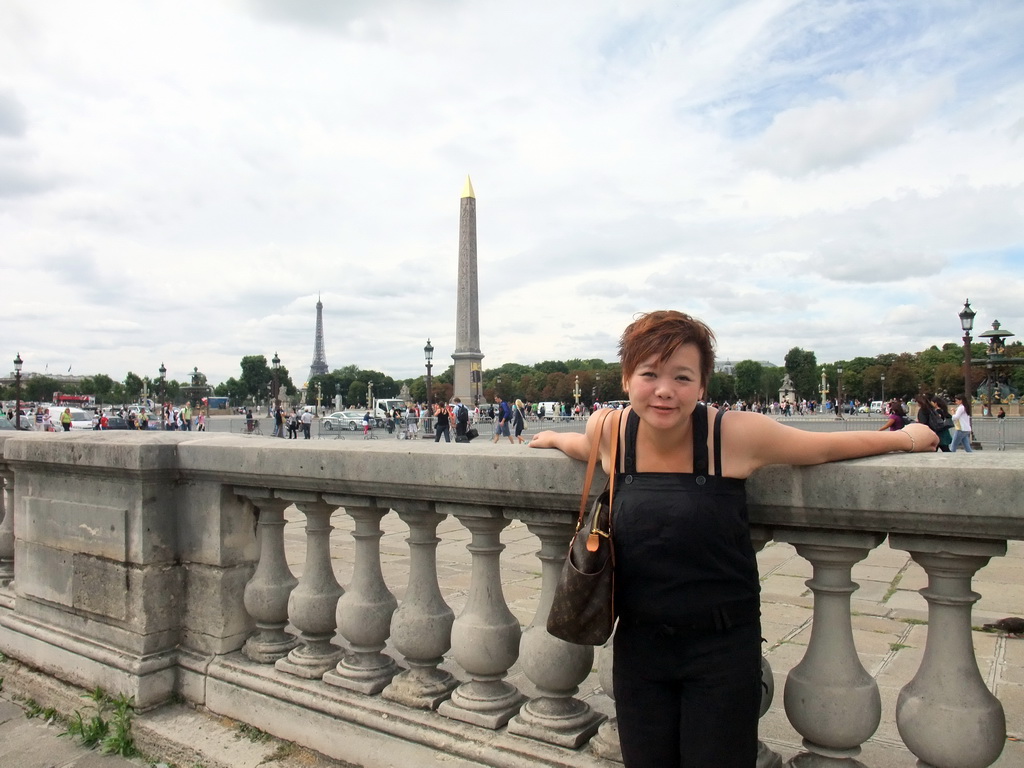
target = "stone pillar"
x: 556, y: 667
x: 266, y: 594
x: 946, y: 715
x: 606, y: 743
x: 6, y: 527
x: 830, y: 698
x: 364, y: 611
x: 312, y: 604
x: 467, y: 355
x: 421, y: 628
x: 485, y: 636
x: 766, y: 758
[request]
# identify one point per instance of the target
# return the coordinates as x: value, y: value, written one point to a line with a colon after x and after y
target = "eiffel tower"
x: 319, y: 365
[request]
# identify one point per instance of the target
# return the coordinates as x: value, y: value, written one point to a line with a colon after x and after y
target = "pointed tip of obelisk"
x: 467, y: 190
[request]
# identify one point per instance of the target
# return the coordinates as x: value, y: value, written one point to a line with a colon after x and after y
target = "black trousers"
x: 688, y: 699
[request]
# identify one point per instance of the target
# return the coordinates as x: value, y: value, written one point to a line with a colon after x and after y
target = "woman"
x: 519, y: 420
x: 687, y: 650
x: 927, y: 415
x: 944, y: 422
x: 962, y: 422
x: 443, y: 424
x: 896, y: 419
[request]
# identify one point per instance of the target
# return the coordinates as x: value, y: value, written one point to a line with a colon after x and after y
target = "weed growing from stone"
x: 113, y: 736
x: 252, y: 733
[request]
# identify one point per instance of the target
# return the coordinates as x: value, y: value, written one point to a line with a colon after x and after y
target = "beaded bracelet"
x: 913, y: 442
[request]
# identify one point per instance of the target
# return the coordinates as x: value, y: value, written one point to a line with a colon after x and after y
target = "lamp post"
x: 576, y: 391
x: 824, y: 388
x: 276, y: 394
x: 18, y: 362
x: 428, y: 354
x: 839, y: 391
x: 163, y: 386
x: 319, y: 397
x: 369, y: 396
x: 967, y: 324
x: 497, y: 385
x: 883, y: 390
x: 596, y: 387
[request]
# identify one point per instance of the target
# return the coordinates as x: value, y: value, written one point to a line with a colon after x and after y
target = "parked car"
x: 27, y: 422
x: 117, y: 422
x: 352, y: 420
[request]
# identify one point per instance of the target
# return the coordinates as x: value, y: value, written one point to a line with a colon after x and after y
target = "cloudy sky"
x: 180, y: 180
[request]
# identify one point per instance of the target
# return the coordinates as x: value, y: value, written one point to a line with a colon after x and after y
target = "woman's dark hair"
x: 895, y: 406
x: 966, y: 401
x: 661, y: 333
x: 941, y: 405
x: 923, y: 402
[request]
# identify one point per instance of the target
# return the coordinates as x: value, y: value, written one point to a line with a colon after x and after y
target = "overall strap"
x: 718, y: 443
x: 700, y: 439
x: 629, y: 453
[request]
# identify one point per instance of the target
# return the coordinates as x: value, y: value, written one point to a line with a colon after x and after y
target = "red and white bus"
x: 79, y: 401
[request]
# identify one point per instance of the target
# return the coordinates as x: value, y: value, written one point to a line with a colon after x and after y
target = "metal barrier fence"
x: 991, y: 433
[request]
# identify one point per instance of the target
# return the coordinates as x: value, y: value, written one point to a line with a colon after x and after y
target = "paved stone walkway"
x: 887, y: 616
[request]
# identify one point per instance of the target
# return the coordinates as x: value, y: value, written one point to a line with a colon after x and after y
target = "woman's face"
x: 664, y: 393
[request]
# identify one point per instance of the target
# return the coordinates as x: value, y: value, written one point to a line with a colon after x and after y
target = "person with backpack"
x: 503, y: 420
x: 461, y: 421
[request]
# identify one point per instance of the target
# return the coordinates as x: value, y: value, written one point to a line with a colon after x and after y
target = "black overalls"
x: 687, y: 672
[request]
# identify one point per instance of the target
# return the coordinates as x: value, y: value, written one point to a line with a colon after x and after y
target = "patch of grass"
x: 252, y: 733
x: 915, y: 622
x: 893, y: 586
x: 94, y: 730
x: 284, y: 749
x: 3, y: 658
x: 897, y: 646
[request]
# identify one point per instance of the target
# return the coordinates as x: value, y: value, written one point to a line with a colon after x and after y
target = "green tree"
x: 39, y: 389
x: 721, y: 388
x: 748, y: 375
x: 802, y: 366
x: 132, y: 386
x: 356, y: 394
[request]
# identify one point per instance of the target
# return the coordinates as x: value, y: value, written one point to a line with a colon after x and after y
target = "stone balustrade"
x: 154, y: 565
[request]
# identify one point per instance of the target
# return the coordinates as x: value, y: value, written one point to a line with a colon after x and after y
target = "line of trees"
x: 906, y: 374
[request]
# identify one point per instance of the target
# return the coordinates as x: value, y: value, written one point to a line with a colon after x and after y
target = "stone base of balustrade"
x: 312, y: 666
x: 839, y: 759
x: 423, y: 688
x: 606, y: 743
x: 766, y: 758
x: 369, y: 677
x: 89, y: 663
x: 6, y: 573
x: 369, y: 731
x: 266, y: 651
x: 489, y: 704
x: 565, y: 722
x: 7, y: 596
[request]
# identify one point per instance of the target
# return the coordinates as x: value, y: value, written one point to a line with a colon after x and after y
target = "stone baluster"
x: 556, y: 667
x: 6, y: 527
x: 485, y: 636
x: 766, y: 757
x: 266, y: 594
x: 946, y: 715
x: 421, y: 628
x: 312, y: 604
x: 364, y: 611
x: 606, y: 743
x: 830, y: 698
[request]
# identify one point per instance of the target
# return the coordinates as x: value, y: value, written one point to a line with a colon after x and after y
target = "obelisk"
x: 467, y: 355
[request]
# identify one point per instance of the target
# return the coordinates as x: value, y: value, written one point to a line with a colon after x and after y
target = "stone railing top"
x: 979, y: 495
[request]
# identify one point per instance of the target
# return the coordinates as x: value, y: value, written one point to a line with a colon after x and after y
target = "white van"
x: 877, y: 406
x: 79, y: 419
x: 551, y: 410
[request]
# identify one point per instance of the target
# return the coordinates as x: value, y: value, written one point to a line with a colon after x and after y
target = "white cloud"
x: 189, y: 176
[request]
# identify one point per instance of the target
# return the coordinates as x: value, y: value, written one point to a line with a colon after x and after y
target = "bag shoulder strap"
x: 592, y: 464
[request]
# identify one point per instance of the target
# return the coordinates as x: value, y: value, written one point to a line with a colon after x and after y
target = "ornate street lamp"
x: 883, y: 391
x: 967, y: 324
x: 276, y: 366
x: 824, y: 388
x: 319, y: 397
x: 163, y: 385
x: 428, y: 354
x: 576, y: 391
x: 594, y: 389
x: 839, y: 390
x: 18, y: 362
